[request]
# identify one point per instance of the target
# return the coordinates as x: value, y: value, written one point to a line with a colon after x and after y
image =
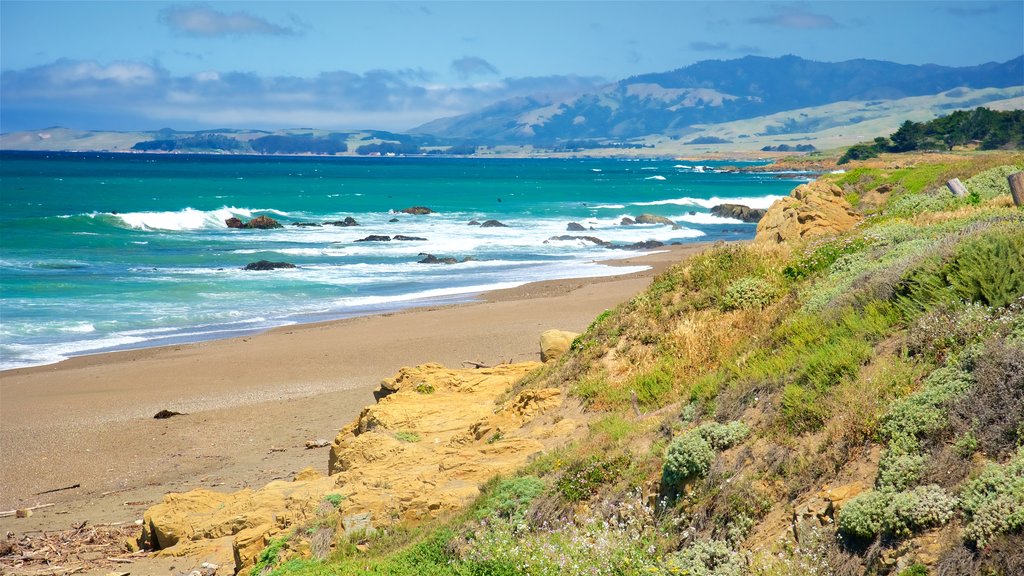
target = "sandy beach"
x: 250, y: 403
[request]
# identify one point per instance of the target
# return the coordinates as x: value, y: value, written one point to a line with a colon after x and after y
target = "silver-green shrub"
x: 705, y: 558
x: 688, y: 456
x: 723, y: 436
x: 994, y: 501
x: 748, y: 293
x: 889, y: 512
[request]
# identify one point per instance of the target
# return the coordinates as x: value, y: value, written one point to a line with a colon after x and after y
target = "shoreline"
x: 251, y: 402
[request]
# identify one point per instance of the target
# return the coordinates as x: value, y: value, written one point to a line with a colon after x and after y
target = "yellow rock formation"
x: 813, y: 209
x: 421, y: 452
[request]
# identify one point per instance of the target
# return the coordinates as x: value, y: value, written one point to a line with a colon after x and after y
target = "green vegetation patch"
x: 994, y: 501
x: 892, y: 513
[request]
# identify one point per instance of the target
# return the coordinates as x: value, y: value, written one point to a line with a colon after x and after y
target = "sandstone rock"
x: 234, y: 223
x: 263, y: 223
x: 814, y: 209
x: 469, y: 436
x: 739, y: 212
x: 493, y: 224
x: 417, y: 210
x: 575, y: 227
x: 627, y: 221
x: 555, y: 343
x: 268, y: 265
x: 653, y: 219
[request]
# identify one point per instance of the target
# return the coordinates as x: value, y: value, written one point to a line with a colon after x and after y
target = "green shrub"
x: 900, y: 470
x: 269, y: 556
x: 989, y: 268
x: 914, y: 570
x: 705, y: 558
x: 688, y: 456
x: 992, y: 182
x: 723, y: 436
x: 801, y: 410
x: 821, y: 256
x: 924, y: 411
x: 509, y: 498
x: 334, y: 499
x: 581, y: 479
x: 654, y: 386
x: 404, y: 436
x: 748, y: 293
x: 994, y: 501
x: 892, y: 513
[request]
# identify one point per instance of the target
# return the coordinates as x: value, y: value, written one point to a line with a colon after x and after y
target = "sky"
x: 144, y: 65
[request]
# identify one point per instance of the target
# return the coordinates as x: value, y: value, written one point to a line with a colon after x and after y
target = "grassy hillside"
x: 852, y: 406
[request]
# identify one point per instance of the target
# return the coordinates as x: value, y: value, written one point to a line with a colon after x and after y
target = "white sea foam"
x: 655, y: 177
x: 704, y: 218
x: 752, y: 202
x: 188, y: 218
x: 609, y: 206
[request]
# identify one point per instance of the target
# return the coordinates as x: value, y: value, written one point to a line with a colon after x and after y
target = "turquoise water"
x: 101, y: 252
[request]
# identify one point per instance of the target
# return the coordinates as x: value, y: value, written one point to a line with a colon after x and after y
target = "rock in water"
x: 738, y: 212
x: 575, y: 227
x: 417, y: 210
x: 591, y: 239
x: 407, y: 238
x: 493, y: 224
x: 263, y: 223
x: 268, y: 265
x: 627, y: 221
x: 431, y: 259
x: 645, y: 245
x: 473, y: 223
x: 653, y: 219
x: 375, y: 238
x: 555, y: 343
x: 348, y: 221
x: 234, y: 223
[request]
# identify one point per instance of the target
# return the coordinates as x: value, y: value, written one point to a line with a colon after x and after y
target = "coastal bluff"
x: 424, y: 450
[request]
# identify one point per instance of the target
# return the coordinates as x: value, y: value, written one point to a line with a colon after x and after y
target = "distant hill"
x: 712, y: 92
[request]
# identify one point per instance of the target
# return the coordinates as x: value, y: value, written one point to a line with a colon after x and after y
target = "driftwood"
x: 1016, y: 181
x: 72, y: 487
x: 957, y: 187
x: 7, y: 513
x: 477, y: 364
x: 79, y: 549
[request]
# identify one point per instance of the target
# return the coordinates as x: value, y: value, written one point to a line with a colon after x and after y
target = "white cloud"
x: 202, y: 21
x: 143, y: 93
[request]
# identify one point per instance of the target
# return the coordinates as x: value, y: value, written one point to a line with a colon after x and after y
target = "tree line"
x: 989, y: 129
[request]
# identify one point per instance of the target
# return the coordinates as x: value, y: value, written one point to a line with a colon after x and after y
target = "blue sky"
x: 394, y: 65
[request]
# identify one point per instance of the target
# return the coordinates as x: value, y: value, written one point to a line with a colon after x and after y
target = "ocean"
x: 102, y: 252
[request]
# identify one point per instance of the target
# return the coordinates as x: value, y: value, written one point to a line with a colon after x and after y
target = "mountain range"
x: 750, y: 103
x: 710, y: 92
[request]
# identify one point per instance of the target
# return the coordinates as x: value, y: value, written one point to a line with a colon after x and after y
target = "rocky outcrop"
x: 738, y: 212
x: 431, y: 259
x: 493, y: 224
x: 306, y: 224
x: 645, y: 245
x: 422, y: 452
x: 555, y: 343
x: 627, y: 221
x: 259, y: 222
x: 375, y: 238
x: 575, y: 227
x: 268, y: 265
x: 402, y: 238
x: 419, y: 210
x: 653, y: 219
x: 472, y: 223
x: 591, y: 239
x: 814, y: 209
x: 262, y: 223
x: 348, y: 221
